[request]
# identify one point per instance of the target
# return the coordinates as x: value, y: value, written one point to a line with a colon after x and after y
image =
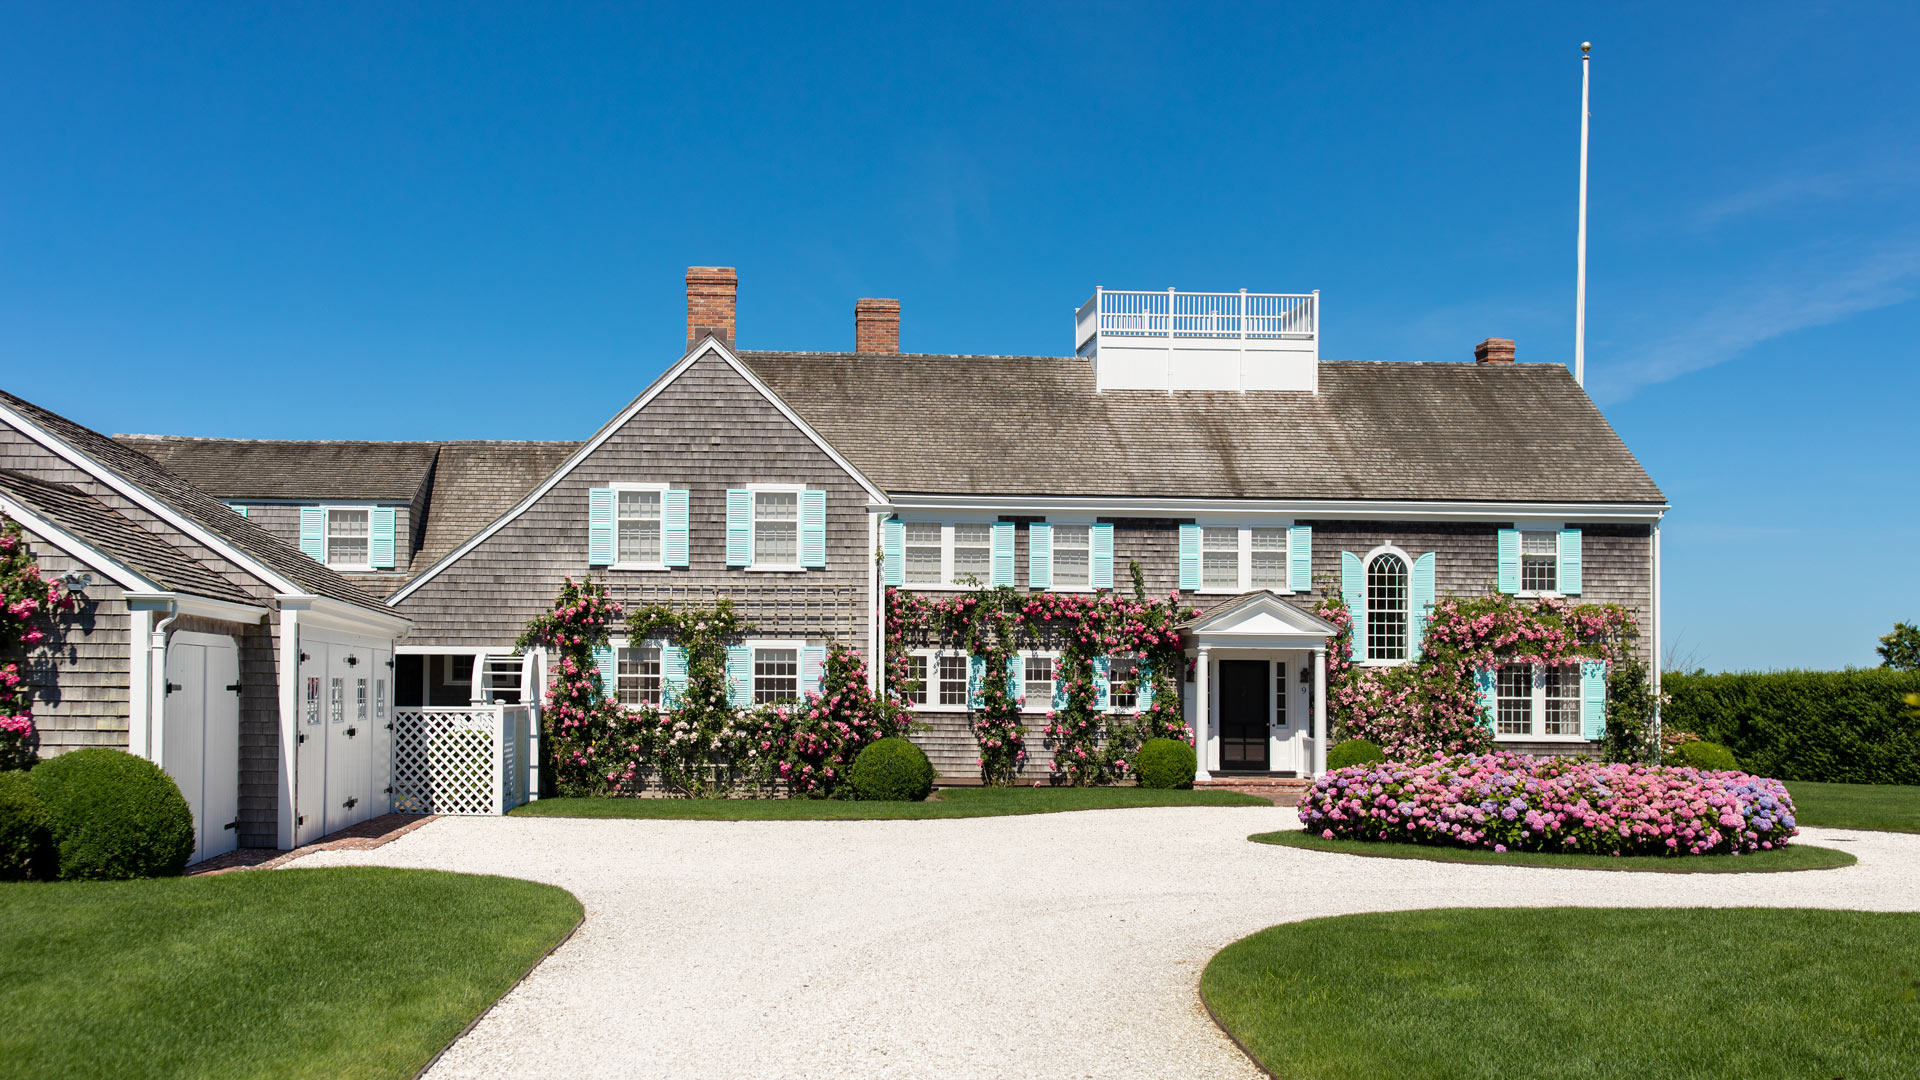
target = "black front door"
x: 1244, y: 708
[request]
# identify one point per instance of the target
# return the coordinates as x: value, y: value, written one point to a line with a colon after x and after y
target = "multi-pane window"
x: 1219, y: 557
x: 1072, y: 556
x: 347, y: 537
x: 916, y: 672
x: 1269, y: 558
x: 1387, y: 608
x: 776, y: 528
x: 1280, y: 694
x: 1123, y: 685
x: 973, y: 551
x: 637, y: 678
x: 776, y: 675
x: 953, y: 680
x: 1513, y: 700
x: 922, y: 553
x: 1038, y: 683
x: 639, y: 527
x: 1539, y: 562
x: 1562, y: 701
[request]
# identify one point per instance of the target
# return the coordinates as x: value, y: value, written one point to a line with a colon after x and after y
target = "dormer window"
x: 347, y: 537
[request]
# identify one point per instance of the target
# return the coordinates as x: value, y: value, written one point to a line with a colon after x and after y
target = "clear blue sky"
x: 401, y: 221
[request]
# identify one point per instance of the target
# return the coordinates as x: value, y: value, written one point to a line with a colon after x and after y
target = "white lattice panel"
x: 443, y: 761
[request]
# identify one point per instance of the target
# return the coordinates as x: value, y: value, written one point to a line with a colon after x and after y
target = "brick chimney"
x: 1494, y: 350
x: 711, y: 294
x: 876, y: 326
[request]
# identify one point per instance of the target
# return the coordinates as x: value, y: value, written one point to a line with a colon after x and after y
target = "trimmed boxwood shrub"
x: 113, y: 815
x: 1847, y: 727
x: 891, y: 770
x: 1702, y: 754
x: 1165, y: 763
x: 26, y: 845
x: 1354, y: 752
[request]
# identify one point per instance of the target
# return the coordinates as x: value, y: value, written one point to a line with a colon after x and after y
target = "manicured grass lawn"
x: 1577, y: 994
x: 946, y: 803
x: 1790, y: 857
x: 348, y: 972
x: 1856, y: 806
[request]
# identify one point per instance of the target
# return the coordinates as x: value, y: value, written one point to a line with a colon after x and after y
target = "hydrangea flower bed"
x: 1509, y: 802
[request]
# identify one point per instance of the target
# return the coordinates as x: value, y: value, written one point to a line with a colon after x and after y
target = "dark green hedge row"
x: 1846, y: 727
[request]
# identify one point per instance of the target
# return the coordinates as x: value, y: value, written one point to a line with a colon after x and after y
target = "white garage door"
x: 200, y: 743
x: 342, y: 760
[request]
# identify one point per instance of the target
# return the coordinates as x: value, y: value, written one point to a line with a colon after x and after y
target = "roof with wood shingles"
x: 241, y: 469
x: 1034, y: 425
x: 476, y: 482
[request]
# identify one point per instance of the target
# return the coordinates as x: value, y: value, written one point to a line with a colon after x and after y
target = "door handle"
x: 351, y: 731
x: 235, y: 687
x: 231, y: 825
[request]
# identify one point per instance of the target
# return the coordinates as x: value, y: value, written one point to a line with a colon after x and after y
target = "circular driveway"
x: 1058, y: 945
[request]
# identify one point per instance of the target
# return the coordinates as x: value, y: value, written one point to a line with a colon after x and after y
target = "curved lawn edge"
x: 1785, y: 859
x: 954, y: 802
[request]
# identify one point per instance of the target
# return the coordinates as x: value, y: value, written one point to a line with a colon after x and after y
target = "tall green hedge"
x: 1845, y: 727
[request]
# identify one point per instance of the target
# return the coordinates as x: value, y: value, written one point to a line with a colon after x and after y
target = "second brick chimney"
x: 1494, y: 350
x: 712, y: 292
x: 876, y: 326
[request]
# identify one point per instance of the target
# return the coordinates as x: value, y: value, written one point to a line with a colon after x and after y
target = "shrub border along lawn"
x: 1782, y: 859
x: 953, y: 802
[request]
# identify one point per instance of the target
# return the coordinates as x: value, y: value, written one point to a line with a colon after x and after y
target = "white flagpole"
x: 1580, y: 281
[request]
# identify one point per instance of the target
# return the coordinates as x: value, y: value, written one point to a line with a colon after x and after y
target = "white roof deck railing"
x: 1173, y: 314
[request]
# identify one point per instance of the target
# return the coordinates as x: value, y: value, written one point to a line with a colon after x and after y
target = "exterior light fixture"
x: 76, y: 581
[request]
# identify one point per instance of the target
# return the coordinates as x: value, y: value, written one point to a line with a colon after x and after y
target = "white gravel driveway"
x: 1058, y: 945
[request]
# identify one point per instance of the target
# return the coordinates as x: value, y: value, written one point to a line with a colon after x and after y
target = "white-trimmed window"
x: 776, y: 675
x: 937, y: 555
x: 1561, y: 696
x: 1220, y: 558
x: 1267, y: 557
x: 1241, y: 558
x: 1072, y: 556
x: 972, y: 551
x: 1539, y: 562
x: 1387, y: 598
x: 1036, y: 683
x: 347, y: 536
x: 1513, y: 700
x: 637, y: 675
x: 925, y: 553
x: 951, y: 671
x: 1535, y: 701
x: 1123, y: 684
x: 776, y: 528
x: 637, y: 526
x: 916, y: 665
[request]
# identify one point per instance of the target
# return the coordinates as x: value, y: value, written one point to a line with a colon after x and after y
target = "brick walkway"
x: 1279, y: 790
x: 369, y: 834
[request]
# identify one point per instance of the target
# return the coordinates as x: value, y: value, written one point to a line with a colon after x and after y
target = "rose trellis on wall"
x: 27, y: 600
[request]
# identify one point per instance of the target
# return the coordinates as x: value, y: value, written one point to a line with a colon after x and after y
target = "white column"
x: 1319, y: 711
x: 1201, y: 707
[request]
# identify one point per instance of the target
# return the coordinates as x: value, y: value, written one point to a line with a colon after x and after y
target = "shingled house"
x: 1198, y: 434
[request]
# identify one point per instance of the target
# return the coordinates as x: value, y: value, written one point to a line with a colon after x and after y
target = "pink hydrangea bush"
x: 1509, y: 802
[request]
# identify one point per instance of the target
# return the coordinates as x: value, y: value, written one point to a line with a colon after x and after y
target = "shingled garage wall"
x: 79, y: 674
x: 707, y: 431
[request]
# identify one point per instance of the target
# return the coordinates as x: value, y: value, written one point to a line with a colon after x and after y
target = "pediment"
x: 1260, y: 615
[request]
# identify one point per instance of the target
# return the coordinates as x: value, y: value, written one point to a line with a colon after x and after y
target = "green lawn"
x: 946, y: 803
x: 1856, y: 806
x: 1577, y: 994
x: 1790, y: 857
x: 269, y: 973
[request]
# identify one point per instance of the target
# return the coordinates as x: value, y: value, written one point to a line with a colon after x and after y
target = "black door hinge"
x: 303, y: 736
x: 234, y: 686
x: 389, y: 789
x: 301, y: 820
x: 350, y: 803
x: 172, y: 686
x: 235, y: 825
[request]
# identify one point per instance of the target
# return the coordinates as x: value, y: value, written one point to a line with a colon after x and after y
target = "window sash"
x: 1220, y: 557
x: 637, y: 527
x: 776, y: 528
x: 1562, y: 702
x: 953, y: 680
x: 1539, y: 562
x: 1072, y: 556
x: 1387, y: 596
x: 776, y: 675
x: 1123, y: 687
x: 1037, y: 685
x: 637, y: 676
x: 923, y: 553
x: 348, y: 533
x: 973, y: 551
x: 1513, y: 700
x: 917, y: 672
x: 1269, y: 558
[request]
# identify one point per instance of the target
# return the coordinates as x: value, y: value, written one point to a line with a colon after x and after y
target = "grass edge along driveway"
x: 955, y: 802
x: 339, y: 972
x: 1885, y: 807
x: 1576, y: 994
x: 1795, y: 856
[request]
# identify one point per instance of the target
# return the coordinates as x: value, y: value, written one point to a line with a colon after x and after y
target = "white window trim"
x: 753, y: 529
x: 1536, y: 525
x: 618, y: 643
x: 1245, y: 582
x: 799, y: 648
x: 1539, y: 713
x: 1119, y: 710
x: 1366, y: 568
x: 946, y: 582
x: 326, y: 534
x: 932, y: 657
x: 662, y: 490
x: 1021, y: 658
x: 1052, y: 570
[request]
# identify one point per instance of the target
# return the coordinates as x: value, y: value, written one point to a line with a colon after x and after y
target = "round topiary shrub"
x: 113, y: 815
x: 1702, y: 754
x: 1165, y: 763
x: 891, y: 770
x: 1354, y: 752
x: 26, y: 844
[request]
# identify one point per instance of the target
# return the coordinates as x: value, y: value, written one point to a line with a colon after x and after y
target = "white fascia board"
x: 141, y: 497
x: 204, y: 607
x: 351, y: 618
x: 122, y: 575
x: 1436, y: 510
x: 607, y: 431
x: 454, y: 650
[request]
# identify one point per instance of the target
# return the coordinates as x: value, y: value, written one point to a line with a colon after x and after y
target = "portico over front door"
x: 1245, y: 711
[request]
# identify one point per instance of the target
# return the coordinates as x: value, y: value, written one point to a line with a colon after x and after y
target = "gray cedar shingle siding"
x: 79, y: 674
x: 475, y: 482
x: 707, y: 431
x: 283, y: 521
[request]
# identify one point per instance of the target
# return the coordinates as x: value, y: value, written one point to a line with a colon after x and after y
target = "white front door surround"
x: 1264, y: 646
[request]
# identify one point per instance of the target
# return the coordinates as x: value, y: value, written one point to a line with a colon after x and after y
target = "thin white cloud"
x: 1800, y: 189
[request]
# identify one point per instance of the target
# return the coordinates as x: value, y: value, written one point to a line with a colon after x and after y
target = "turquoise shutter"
x: 380, y: 538
x: 1013, y: 676
x: 1353, y: 589
x: 674, y: 527
x: 241, y: 510
x: 1102, y: 683
x: 1300, y: 558
x: 1102, y: 571
x: 599, y: 526
x: 1002, y: 553
x: 739, y: 527
x: 1593, y: 699
x: 1059, y: 686
x: 1422, y: 598
x: 313, y: 533
x: 1040, y: 555
x: 1510, y: 561
x: 673, y: 673
x: 1142, y: 684
x: 1570, y: 561
x: 1189, y: 557
x: 813, y: 661
x: 893, y: 551
x: 1483, y: 683
x: 609, y: 672
x: 739, y: 675
x: 976, y: 677
x: 813, y: 529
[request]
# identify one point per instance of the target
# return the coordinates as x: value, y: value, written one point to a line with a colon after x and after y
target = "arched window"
x: 1387, y: 607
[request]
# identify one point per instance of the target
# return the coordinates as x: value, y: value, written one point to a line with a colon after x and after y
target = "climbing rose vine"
x: 28, y: 602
